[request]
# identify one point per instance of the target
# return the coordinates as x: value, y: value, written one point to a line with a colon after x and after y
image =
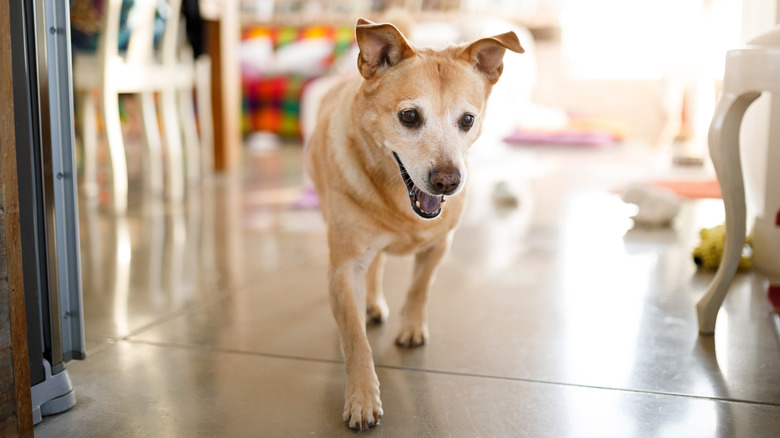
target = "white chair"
x: 183, y: 76
x: 180, y: 79
x: 750, y: 71
x: 140, y: 71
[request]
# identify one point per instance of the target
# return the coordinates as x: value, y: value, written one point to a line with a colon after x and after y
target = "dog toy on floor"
x: 710, y: 250
x: 657, y: 207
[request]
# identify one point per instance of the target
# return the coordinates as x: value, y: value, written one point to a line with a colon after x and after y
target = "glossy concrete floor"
x: 553, y: 319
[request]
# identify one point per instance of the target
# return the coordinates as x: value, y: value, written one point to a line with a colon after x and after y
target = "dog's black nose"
x: 445, y: 181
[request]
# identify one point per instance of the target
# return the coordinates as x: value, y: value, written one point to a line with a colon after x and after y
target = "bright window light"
x: 639, y: 39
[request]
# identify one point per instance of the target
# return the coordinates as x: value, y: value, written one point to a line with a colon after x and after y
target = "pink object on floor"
x: 308, y: 199
x: 562, y: 138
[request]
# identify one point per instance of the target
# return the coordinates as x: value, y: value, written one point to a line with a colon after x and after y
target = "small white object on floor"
x: 260, y: 142
x: 657, y: 207
x: 504, y: 196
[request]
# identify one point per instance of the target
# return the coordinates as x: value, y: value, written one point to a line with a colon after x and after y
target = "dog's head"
x: 427, y: 106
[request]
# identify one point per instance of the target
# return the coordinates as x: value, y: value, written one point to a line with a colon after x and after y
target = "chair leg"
x: 174, y: 160
x: 89, y: 137
x: 203, y: 96
x: 154, y: 156
x: 116, y: 149
x: 724, y: 150
x: 189, y: 129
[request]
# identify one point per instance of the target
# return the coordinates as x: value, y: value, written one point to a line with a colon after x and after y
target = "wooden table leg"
x: 223, y: 38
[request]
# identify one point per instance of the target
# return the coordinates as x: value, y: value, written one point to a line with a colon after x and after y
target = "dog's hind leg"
x: 414, y: 327
x: 376, y: 304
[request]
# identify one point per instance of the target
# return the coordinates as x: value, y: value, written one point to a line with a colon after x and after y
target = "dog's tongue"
x: 428, y: 203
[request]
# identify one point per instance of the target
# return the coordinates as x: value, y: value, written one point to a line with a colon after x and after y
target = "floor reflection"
x: 557, y: 317
x: 159, y: 258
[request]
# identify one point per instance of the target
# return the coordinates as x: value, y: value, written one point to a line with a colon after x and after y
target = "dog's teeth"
x: 417, y: 204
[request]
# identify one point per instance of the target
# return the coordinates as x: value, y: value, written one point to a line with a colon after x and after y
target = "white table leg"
x: 724, y: 150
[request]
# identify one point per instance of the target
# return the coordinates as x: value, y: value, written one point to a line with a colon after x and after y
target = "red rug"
x: 691, y: 189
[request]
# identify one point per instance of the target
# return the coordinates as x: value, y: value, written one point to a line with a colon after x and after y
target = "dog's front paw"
x: 363, y: 408
x: 413, y: 335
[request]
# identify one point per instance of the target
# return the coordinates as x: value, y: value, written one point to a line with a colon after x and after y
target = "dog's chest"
x: 413, y: 241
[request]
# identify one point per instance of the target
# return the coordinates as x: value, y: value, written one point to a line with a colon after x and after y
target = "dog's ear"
x: 487, y: 54
x: 381, y: 47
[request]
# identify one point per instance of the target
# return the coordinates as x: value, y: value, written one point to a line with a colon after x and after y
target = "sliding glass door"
x: 40, y: 46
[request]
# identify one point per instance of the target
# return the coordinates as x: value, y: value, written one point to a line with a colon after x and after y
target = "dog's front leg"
x: 362, y: 407
x: 414, y: 327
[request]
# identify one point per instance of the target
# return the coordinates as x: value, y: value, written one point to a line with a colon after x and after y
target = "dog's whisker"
x: 392, y: 179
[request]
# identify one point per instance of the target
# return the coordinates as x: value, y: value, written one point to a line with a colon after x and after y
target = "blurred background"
x: 183, y: 242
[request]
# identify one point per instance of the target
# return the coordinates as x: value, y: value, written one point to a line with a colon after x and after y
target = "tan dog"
x: 389, y: 148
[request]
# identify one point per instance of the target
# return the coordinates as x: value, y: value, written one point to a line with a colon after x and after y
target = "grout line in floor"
x: 450, y: 373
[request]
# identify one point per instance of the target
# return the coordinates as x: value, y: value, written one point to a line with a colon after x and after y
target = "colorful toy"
x: 710, y: 250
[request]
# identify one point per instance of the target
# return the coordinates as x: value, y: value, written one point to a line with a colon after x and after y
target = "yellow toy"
x: 710, y: 250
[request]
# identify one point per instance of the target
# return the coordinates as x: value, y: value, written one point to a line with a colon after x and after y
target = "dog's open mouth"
x: 426, y: 206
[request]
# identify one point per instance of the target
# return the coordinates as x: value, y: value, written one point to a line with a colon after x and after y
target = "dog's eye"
x: 466, y: 122
x: 409, y: 118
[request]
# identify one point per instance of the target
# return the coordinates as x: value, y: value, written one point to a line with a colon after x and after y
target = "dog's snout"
x: 445, y: 181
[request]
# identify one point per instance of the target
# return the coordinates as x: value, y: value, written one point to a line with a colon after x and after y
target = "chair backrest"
x: 141, y: 21
x: 141, y: 17
x: 170, y: 39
